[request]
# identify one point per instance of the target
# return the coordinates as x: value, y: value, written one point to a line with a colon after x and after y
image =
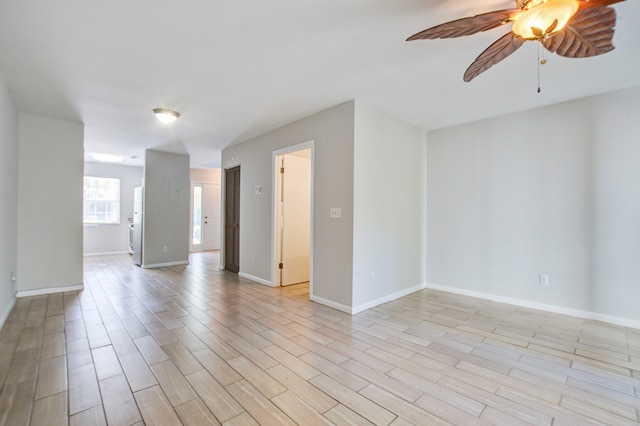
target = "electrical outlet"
x: 164, y: 249
x: 253, y: 258
x: 543, y: 280
x: 373, y: 276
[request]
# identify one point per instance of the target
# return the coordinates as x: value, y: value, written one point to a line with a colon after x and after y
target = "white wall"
x: 50, y: 170
x: 389, y: 208
x: 332, y: 133
x: 166, y: 209
x: 9, y: 197
x: 552, y: 191
x: 102, y: 239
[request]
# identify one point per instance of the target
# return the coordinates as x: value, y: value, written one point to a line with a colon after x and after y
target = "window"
x: 101, y: 201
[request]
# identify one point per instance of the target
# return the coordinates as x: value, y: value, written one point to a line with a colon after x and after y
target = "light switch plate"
x: 335, y: 213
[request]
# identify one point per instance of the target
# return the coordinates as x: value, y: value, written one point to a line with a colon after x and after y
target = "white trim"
x: 331, y: 304
x: 625, y: 322
x: 388, y: 298
x: 49, y: 290
x: 107, y: 253
x: 7, y: 312
x: 162, y: 265
x: 256, y: 279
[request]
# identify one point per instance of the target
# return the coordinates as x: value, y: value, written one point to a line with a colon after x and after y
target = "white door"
x: 296, y: 217
x: 205, y: 229
x: 210, y: 216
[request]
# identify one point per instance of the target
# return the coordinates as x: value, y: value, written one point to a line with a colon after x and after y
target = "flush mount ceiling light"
x: 166, y: 115
x: 569, y: 28
x: 106, y: 158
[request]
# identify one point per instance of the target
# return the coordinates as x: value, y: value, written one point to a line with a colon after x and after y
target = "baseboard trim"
x: 7, y: 312
x: 256, y: 279
x: 331, y: 304
x: 367, y: 305
x: 49, y: 290
x: 165, y: 264
x: 107, y: 253
x: 625, y: 322
x: 353, y: 310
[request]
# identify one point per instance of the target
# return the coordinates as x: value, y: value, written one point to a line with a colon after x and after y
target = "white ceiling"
x: 237, y: 68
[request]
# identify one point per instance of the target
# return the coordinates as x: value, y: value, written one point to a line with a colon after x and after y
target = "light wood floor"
x: 192, y: 345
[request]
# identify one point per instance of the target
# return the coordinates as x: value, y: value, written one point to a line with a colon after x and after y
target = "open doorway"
x: 293, y: 218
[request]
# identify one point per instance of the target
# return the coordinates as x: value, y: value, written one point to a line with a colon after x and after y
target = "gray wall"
x: 102, y: 239
x: 332, y: 132
x: 550, y: 191
x: 9, y: 197
x: 389, y: 208
x: 166, y: 209
x: 50, y: 170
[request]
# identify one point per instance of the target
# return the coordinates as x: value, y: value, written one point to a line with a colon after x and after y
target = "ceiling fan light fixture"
x: 166, y: 115
x: 568, y: 28
x: 542, y: 18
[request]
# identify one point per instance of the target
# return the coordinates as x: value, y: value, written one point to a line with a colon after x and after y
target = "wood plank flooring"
x: 193, y: 345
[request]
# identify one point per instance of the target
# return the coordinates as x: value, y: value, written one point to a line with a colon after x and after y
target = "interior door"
x: 232, y: 220
x: 210, y: 216
x: 296, y: 217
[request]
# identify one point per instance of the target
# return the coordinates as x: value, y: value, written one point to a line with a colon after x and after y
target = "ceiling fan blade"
x: 500, y: 49
x: 466, y: 26
x: 589, y: 33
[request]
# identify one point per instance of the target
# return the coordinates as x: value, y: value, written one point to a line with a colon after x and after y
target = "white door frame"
x: 275, y: 167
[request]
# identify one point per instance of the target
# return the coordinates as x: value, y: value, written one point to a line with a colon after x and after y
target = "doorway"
x: 232, y: 220
x: 205, y: 219
x: 293, y: 173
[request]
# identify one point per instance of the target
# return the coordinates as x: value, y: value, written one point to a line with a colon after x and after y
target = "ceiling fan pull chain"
x: 539, y: 62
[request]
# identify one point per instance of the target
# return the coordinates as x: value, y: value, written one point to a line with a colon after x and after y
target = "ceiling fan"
x: 570, y: 28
